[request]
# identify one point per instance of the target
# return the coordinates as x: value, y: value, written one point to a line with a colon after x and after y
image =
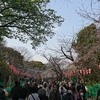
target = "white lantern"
x: 89, y: 71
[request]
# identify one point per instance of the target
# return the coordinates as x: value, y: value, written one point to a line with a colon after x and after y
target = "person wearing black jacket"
x: 69, y: 95
x: 98, y: 94
x: 15, y: 91
x: 81, y: 95
x: 2, y: 93
x: 81, y: 86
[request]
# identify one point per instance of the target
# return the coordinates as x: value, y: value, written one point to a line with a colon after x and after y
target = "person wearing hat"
x: 2, y: 93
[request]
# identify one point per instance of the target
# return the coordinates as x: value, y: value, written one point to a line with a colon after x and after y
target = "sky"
x: 73, y: 23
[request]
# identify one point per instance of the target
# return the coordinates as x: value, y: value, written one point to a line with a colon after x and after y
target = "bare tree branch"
x: 67, y: 56
x: 91, y: 13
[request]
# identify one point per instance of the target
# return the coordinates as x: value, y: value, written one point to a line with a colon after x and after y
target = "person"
x: 81, y: 86
x: 42, y: 94
x: 36, y: 85
x: 74, y: 90
x: 15, y: 91
x: 33, y: 95
x: 23, y: 92
x: 46, y: 87
x: 62, y: 90
x: 81, y: 95
x: 2, y: 93
x: 54, y: 94
x: 41, y: 91
x: 69, y: 95
x: 27, y: 85
x: 98, y: 94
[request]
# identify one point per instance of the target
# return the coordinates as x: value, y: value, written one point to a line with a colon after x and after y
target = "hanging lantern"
x: 84, y: 72
x: 68, y: 75
x: 74, y: 71
x: 11, y: 67
x: 99, y: 66
x: 81, y: 71
x: 89, y: 71
x: 71, y: 73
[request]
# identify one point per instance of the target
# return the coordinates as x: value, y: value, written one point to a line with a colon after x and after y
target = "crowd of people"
x: 48, y: 90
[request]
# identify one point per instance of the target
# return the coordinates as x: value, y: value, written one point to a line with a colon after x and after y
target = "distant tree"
x: 25, y: 53
x: 88, y: 50
x: 37, y: 64
x: 11, y: 56
x: 61, y: 55
x: 56, y: 65
x: 64, y: 49
x: 4, y: 72
x: 2, y: 41
x: 86, y: 39
x: 28, y: 20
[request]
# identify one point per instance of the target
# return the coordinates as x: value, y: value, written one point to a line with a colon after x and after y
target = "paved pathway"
x: 91, y: 99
